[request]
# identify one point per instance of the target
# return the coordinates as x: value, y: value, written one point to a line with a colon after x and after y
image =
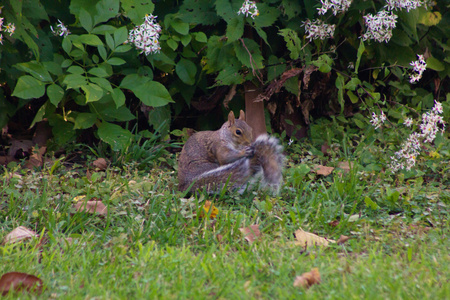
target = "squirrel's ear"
x: 242, y: 115
x: 231, y: 118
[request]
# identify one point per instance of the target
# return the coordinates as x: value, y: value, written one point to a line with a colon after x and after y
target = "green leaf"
x: 35, y: 69
x: 75, y: 70
x: 102, y: 51
x: 353, y: 98
x: 225, y: 10
x: 359, y: 54
x: 434, y: 64
x: 122, y: 48
x: 99, y: 72
x: 235, y: 29
x: 172, y: 44
x: 114, y: 135
x: 120, y: 35
x: 293, y: 42
x: 116, y: 61
x: 186, y: 39
x: 430, y: 18
x: 267, y: 16
x: 352, y: 84
x: 55, y: 94
x: 74, y: 81
x: 180, y: 27
x: 85, y: 120
x: 370, y: 203
x: 90, y: 39
x: 39, y: 115
x: 28, y: 87
x: 118, y: 97
x: 159, y: 118
x: 53, y: 67
x: 66, y: 63
x: 109, y: 41
x: 133, y: 81
x: 67, y: 44
x: 93, y: 92
x: 121, y: 114
x: 103, y: 29
x: 153, y: 93
x: 201, y: 37
x: 102, y: 82
x: 85, y: 20
x: 340, y: 87
x: 230, y: 75
x: 186, y: 70
x: 105, y: 10
x: 137, y: 9
x: 242, y: 53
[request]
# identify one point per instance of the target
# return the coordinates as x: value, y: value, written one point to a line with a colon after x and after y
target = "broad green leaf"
x: 230, y: 75
x: 172, y: 44
x: 267, y: 16
x: 159, y: 118
x: 99, y: 72
x: 137, y: 9
x: 28, y: 87
x: 434, y: 64
x: 39, y: 115
x: 111, y: 113
x: 225, y: 10
x: 102, y: 82
x: 93, y: 92
x: 180, y: 27
x: 235, y: 29
x: 199, y: 12
x: 109, y: 41
x: 120, y: 35
x: 200, y: 37
x: 118, y: 97
x: 133, y: 81
x: 102, y: 51
x: 359, y: 54
x: 352, y: 84
x: 114, y: 135
x: 74, y: 81
x: 36, y: 69
x: 186, y: 71
x: 353, y: 98
x: 122, y: 48
x: 340, y: 87
x: 90, y: 39
x: 66, y: 63
x: 53, y: 67
x: 67, y: 44
x: 85, y: 20
x: 102, y: 29
x: 116, y: 61
x: 62, y: 130
x: 85, y: 120
x: 75, y: 70
x: 431, y: 18
x: 105, y: 10
x: 55, y: 94
x: 153, y: 93
x: 255, y: 61
x: 185, y: 40
x: 293, y: 42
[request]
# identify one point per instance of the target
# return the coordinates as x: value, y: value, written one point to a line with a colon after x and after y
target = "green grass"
x: 152, y: 244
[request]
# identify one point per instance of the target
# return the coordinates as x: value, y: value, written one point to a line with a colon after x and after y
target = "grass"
x: 152, y: 244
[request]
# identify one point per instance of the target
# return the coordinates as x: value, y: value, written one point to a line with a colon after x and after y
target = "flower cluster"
x: 379, y: 27
x: 146, y: 36
x: 377, y: 121
x: 317, y: 29
x: 337, y: 6
x: 249, y: 8
x: 9, y: 28
x: 419, y: 66
x: 432, y: 123
x: 61, y: 29
x: 403, y: 4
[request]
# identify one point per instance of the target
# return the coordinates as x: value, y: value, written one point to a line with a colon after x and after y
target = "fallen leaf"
x: 251, y: 233
x: 18, y: 234
x: 36, y: 159
x: 22, y: 146
x: 342, y: 239
x: 206, y: 208
x: 101, y: 163
x: 325, y: 149
x: 345, y: 165
x: 334, y: 223
x: 92, y: 206
x: 219, y: 237
x: 307, y: 279
x: 322, y: 170
x: 16, y: 281
x: 307, y: 239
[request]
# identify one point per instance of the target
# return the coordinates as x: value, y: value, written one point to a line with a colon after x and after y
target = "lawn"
x: 152, y: 241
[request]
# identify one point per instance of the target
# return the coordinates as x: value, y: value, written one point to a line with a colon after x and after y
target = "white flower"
x: 403, y: 4
x: 290, y: 142
x: 249, y: 8
x: 377, y: 121
x: 379, y: 27
x: 146, y: 36
x: 1, y: 39
x: 10, y: 28
x: 408, y: 122
x: 61, y: 29
x: 419, y: 66
x: 317, y: 29
x: 337, y: 6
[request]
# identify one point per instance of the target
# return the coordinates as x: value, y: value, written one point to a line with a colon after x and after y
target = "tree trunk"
x: 254, y: 111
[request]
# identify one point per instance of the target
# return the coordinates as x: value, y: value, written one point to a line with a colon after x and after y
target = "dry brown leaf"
x: 18, y: 234
x: 322, y: 170
x: 101, y: 163
x: 345, y: 165
x: 16, y: 281
x: 20, y: 146
x: 36, y: 159
x: 92, y: 206
x: 307, y: 279
x: 334, y: 223
x: 251, y: 233
x: 307, y: 239
x: 342, y: 239
x: 219, y: 237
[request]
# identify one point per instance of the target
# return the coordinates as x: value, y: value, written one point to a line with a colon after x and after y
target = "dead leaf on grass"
x: 322, y: 170
x: 307, y: 239
x: 16, y: 281
x: 251, y: 233
x: 342, y: 239
x: 18, y: 234
x: 345, y: 165
x: 36, y: 159
x: 92, y: 206
x: 334, y: 223
x: 307, y: 279
x: 206, y: 208
x: 101, y: 164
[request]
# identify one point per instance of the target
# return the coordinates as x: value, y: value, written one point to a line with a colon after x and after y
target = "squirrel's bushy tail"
x: 268, y: 161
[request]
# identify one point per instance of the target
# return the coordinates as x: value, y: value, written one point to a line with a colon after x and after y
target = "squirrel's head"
x: 241, y: 132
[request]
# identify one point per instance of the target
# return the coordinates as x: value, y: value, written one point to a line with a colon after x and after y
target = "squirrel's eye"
x: 238, y: 132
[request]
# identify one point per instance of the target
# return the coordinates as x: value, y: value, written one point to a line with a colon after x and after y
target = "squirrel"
x: 210, y: 159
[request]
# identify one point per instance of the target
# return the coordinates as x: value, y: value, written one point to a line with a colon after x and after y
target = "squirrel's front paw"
x: 249, y: 151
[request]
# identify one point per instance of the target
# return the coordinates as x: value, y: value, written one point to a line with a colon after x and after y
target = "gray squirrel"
x: 209, y: 159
